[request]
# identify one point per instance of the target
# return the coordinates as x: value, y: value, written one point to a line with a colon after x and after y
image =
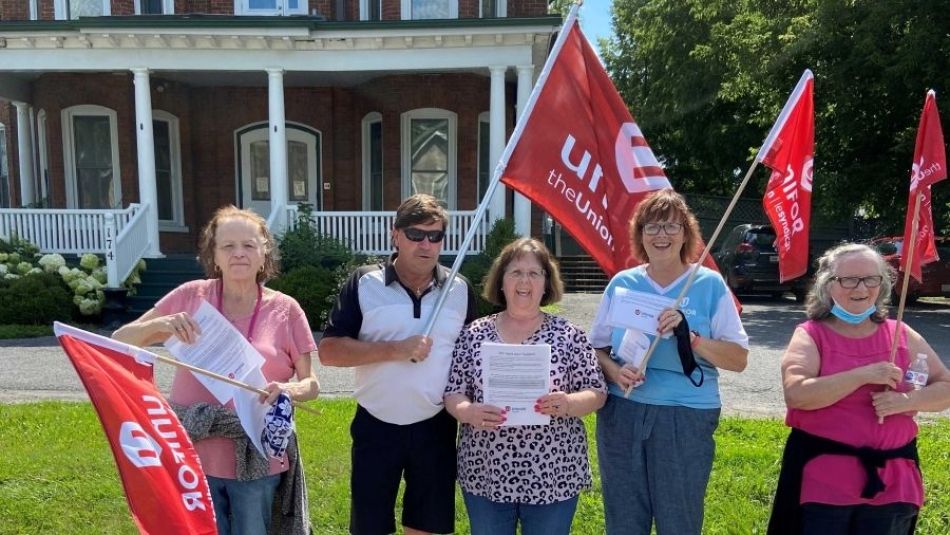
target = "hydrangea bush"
x: 86, y: 281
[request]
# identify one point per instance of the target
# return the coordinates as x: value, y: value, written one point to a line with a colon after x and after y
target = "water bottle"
x: 918, y: 371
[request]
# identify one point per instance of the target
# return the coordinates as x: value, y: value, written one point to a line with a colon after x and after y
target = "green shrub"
x: 37, y: 299
x: 304, y: 246
x: 475, y: 267
x: 314, y: 287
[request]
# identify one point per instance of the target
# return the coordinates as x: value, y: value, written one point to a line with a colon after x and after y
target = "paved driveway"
x: 37, y: 369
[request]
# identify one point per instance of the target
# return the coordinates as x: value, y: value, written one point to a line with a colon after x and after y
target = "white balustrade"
x: 370, y: 232
x: 120, y: 235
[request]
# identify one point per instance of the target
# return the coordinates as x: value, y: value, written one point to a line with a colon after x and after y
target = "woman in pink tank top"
x: 850, y: 464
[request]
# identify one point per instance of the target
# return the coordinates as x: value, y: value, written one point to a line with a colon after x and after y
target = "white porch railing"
x: 369, y: 232
x: 68, y: 231
x: 128, y: 247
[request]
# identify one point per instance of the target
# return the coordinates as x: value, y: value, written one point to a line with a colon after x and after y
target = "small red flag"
x: 929, y: 166
x: 789, y: 150
x: 164, y: 484
x: 579, y: 154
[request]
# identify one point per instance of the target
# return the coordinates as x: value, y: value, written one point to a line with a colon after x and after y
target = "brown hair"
x: 206, y: 243
x: 421, y: 209
x: 553, y: 285
x: 665, y: 205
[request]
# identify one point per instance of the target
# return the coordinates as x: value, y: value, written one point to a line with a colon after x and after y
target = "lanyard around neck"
x: 257, y: 307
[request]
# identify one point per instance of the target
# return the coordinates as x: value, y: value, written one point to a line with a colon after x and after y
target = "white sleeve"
x: 600, y: 331
x: 726, y: 325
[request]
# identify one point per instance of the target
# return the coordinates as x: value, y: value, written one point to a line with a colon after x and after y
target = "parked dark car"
x: 936, y: 274
x: 748, y: 261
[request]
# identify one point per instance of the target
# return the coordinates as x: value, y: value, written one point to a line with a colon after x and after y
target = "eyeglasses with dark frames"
x: 417, y: 234
x: 850, y: 283
x: 652, y: 229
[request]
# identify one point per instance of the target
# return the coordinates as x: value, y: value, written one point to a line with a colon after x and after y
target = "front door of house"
x: 303, y: 168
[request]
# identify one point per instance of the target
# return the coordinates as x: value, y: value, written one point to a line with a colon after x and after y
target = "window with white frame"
x: 270, y: 7
x: 493, y: 8
x: 429, y: 154
x: 371, y: 9
x: 34, y: 10
x: 91, y: 157
x: 484, y: 154
x: 168, y: 170
x: 429, y: 9
x: 4, y: 169
x: 43, y: 149
x: 73, y: 9
x: 154, y: 7
x: 373, y: 162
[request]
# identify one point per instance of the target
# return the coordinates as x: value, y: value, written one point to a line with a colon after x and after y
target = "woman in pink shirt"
x: 843, y: 470
x: 237, y: 252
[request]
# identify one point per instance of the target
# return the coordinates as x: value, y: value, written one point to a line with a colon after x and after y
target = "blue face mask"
x: 850, y: 318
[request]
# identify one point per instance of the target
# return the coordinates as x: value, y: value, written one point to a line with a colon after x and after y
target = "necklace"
x: 257, y: 308
x: 517, y: 330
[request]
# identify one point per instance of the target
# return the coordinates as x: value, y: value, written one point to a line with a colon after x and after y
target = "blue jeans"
x: 655, y: 462
x: 243, y: 507
x: 497, y: 518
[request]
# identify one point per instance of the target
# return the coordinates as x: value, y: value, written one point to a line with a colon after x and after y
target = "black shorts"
x: 384, y: 453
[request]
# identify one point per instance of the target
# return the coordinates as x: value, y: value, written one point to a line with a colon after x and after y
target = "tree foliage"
x: 706, y: 80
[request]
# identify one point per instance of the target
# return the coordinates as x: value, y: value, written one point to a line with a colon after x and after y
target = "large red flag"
x: 160, y: 471
x: 929, y: 166
x: 579, y: 154
x: 789, y: 150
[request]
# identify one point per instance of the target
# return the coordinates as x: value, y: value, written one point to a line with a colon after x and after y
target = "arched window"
x: 429, y: 145
x: 373, y: 162
x: 91, y: 157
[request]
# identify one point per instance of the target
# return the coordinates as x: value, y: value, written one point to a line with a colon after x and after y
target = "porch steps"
x: 161, y: 276
x: 581, y: 274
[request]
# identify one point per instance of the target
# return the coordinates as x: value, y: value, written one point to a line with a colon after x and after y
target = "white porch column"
x: 278, y: 148
x: 24, y: 153
x: 496, y: 136
x: 145, y: 150
x: 522, y: 204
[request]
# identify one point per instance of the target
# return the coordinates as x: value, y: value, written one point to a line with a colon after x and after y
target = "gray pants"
x: 654, y: 462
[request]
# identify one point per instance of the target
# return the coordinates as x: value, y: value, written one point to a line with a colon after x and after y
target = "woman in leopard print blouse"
x: 530, y: 473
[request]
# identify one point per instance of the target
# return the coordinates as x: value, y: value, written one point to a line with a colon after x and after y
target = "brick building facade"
x: 355, y: 94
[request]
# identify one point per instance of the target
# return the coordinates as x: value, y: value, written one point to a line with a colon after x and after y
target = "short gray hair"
x: 819, y: 303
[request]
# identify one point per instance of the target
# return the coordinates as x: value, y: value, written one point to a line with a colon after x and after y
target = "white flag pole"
x: 477, y: 219
x: 763, y: 151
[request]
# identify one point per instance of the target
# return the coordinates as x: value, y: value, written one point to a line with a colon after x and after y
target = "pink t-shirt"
x: 838, y: 479
x: 281, y: 335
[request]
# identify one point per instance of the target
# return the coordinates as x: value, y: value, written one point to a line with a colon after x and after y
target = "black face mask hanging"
x: 685, y: 350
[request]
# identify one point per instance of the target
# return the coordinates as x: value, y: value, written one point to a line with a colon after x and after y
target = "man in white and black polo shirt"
x: 401, y: 428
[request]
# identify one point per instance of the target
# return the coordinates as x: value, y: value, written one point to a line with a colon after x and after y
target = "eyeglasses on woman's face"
x: 652, y: 229
x: 850, y: 283
x: 533, y: 275
x: 417, y: 234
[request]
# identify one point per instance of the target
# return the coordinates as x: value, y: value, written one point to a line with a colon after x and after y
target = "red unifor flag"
x: 789, y: 150
x: 578, y: 153
x: 160, y: 471
x: 929, y: 166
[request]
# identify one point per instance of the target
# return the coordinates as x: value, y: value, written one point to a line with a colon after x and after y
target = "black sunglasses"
x: 417, y: 235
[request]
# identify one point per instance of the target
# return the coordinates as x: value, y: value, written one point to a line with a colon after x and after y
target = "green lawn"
x: 57, y: 474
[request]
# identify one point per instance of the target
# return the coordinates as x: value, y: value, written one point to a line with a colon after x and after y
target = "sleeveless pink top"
x: 838, y: 479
